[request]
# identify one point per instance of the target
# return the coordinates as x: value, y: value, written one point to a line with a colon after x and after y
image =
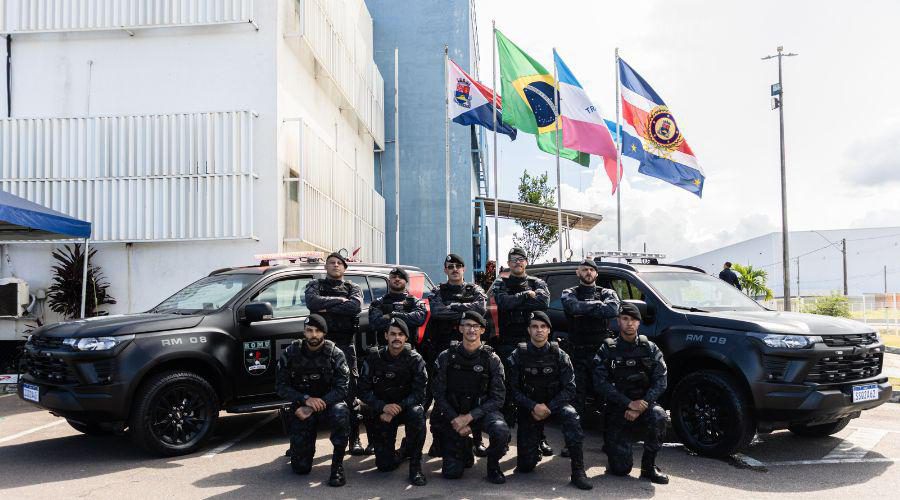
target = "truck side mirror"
x: 648, y: 312
x: 257, y: 311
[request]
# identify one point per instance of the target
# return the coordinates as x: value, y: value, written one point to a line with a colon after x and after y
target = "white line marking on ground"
x: 7, y: 395
x: 29, y: 431
x: 224, y: 446
x: 856, y: 445
x: 835, y: 461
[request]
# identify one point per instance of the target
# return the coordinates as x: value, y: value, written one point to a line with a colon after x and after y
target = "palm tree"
x: 753, y: 281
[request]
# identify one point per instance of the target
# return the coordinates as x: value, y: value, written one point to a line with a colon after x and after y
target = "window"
x: 379, y: 286
x: 557, y: 283
x: 286, y: 297
x: 207, y: 294
x: 363, y: 285
x: 625, y: 289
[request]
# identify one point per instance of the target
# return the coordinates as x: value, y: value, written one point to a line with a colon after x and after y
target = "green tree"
x: 64, y: 294
x: 753, y: 281
x: 536, y: 237
x: 833, y: 305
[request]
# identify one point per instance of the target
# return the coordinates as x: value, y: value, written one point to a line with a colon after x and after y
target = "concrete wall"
x: 420, y: 30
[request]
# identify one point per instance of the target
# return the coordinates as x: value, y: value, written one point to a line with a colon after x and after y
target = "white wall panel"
x: 137, y: 178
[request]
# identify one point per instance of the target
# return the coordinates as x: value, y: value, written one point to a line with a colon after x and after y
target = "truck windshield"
x: 207, y: 294
x: 699, y: 291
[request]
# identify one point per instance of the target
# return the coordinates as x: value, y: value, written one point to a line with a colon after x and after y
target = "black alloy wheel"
x: 711, y: 414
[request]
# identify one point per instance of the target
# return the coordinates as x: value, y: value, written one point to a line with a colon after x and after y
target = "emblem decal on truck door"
x: 256, y: 356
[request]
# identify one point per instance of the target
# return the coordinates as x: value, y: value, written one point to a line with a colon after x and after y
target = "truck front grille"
x: 47, y: 342
x: 856, y: 339
x: 834, y: 369
x: 49, y: 368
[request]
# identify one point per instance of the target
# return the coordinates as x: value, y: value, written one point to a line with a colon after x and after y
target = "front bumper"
x: 780, y: 405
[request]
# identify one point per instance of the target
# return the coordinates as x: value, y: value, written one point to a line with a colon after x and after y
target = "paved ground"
x: 41, y: 456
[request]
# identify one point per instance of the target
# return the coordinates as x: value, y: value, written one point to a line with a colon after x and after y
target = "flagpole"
x: 494, y: 112
x: 397, y: 155
x: 447, y: 145
x: 618, y: 160
x: 558, y: 188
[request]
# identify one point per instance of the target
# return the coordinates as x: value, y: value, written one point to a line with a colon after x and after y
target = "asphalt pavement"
x: 41, y: 457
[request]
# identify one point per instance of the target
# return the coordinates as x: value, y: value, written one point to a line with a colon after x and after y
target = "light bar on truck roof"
x: 628, y: 255
x: 266, y: 259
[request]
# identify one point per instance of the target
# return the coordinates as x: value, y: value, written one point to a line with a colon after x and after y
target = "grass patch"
x: 895, y: 383
x: 891, y: 340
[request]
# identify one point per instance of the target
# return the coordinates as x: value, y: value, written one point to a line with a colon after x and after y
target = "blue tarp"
x: 21, y: 219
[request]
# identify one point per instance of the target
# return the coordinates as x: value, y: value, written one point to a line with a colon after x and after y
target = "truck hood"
x: 126, y: 324
x: 785, y: 323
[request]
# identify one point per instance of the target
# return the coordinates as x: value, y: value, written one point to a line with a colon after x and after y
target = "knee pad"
x: 301, y: 465
x: 620, y: 467
x: 451, y: 470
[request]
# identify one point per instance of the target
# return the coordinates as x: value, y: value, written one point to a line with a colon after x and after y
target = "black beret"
x: 398, y: 271
x: 541, y: 316
x: 629, y: 309
x: 399, y: 323
x: 316, y: 321
x: 474, y: 316
x: 453, y: 258
x: 517, y: 251
x: 589, y: 263
x: 338, y: 256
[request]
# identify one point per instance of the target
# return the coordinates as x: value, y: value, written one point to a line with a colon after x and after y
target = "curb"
x: 892, y: 350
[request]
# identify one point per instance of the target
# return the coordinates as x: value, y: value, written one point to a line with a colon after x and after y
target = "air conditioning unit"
x: 13, y: 297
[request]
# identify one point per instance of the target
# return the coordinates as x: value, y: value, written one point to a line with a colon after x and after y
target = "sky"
x: 842, y: 122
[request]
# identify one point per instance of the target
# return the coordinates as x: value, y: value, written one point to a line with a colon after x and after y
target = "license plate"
x: 868, y: 392
x: 31, y: 392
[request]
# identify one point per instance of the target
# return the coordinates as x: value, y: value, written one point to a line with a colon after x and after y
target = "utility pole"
x: 778, y: 94
x: 798, y: 281
x: 844, y: 251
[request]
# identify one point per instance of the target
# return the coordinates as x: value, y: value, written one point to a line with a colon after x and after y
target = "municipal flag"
x: 651, y: 135
x: 470, y: 102
x: 529, y: 99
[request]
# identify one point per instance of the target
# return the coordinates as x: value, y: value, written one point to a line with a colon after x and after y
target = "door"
x: 629, y: 289
x: 263, y: 342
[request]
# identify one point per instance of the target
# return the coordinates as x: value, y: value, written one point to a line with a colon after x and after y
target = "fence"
x: 877, y: 310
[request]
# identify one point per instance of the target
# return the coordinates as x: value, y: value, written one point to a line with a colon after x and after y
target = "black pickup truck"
x: 165, y: 374
x: 735, y: 367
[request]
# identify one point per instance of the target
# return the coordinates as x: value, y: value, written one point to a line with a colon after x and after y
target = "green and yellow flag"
x: 528, y: 99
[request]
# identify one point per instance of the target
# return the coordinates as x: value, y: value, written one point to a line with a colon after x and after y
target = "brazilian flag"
x: 528, y: 99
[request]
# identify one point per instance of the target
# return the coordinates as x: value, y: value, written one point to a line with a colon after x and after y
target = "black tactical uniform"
x: 545, y: 375
x: 396, y: 305
x: 588, y: 309
x: 400, y: 380
x: 470, y: 383
x: 321, y: 374
x: 323, y: 297
x: 624, y: 372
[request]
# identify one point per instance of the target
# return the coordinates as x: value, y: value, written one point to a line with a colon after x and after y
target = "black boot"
x: 480, y: 449
x: 494, y: 474
x: 416, y: 476
x: 579, y: 477
x: 565, y: 452
x: 435, y: 450
x: 546, y: 449
x: 337, y: 469
x: 403, y: 450
x: 650, y: 471
x: 356, y: 448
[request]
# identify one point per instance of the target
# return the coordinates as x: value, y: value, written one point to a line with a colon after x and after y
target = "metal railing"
x: 879, y: 310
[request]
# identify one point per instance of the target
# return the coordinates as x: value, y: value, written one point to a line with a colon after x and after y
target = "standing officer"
x: 517, y: 296
x: 313, y: 375
x: 630, y: 374
x: 340, y: 301
x: 392, y: 385
x: 588, y: 309
x: 468, y: 394
x: 542, y: 383
x: 447, y: 303
x: 397, y: 303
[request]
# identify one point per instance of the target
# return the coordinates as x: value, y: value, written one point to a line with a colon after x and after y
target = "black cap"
x: 517, y: 251
x: 399, y: 323
x: 453, y: 258
x: 474, y: 316
x: 589, y: 263
x: 541, y: 316
x: 339, y: 256
x: 317, y: 321
x: 629, y: 309
x: 398, y: 271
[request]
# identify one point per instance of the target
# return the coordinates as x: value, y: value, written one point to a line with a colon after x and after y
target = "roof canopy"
x: 21, y: 219
x: 571, y: 219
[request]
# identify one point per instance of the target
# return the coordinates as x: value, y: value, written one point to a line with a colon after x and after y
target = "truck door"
x: 629, y: 289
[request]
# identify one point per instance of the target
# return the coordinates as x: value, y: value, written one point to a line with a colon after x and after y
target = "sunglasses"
x: 517, y: 259
x: 453, y: 266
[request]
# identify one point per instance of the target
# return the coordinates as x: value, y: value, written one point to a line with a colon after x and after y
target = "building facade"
x: 820, y: 268
x: 192, y: 134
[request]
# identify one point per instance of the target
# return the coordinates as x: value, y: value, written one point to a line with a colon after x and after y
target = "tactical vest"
x: 442, y: 331
x: 313, y: 375
x: 539, y: 372
x: 468, y: 377
x: 391, y: 377
x: 514, y: 322
x: 630, y: 371
x: 391, y: 303
x: 341, y: 328
x: 586, y: 330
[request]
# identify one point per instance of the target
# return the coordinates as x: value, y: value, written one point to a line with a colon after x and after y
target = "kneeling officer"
x: 630, y: 374
x: 313, y: 375
x: 392, y: 386
x: 542, y: 385
x: 468, y: 394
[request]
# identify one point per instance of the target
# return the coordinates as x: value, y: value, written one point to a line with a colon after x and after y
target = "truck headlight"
x: 787, y: 341
x: 96, y: 343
